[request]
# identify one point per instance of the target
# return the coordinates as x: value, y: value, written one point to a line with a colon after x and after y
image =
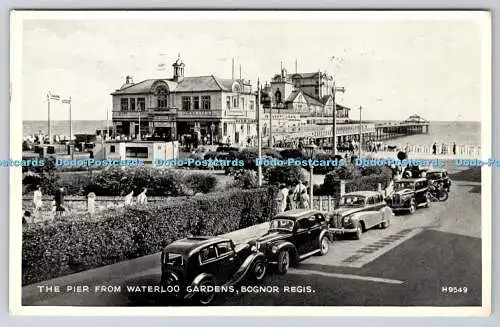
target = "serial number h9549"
x: 454, y: 289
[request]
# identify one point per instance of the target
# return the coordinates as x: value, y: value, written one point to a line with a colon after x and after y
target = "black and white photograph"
x: 212, y: 162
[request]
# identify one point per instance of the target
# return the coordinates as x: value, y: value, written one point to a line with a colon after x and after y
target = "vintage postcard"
x: 250, y: 163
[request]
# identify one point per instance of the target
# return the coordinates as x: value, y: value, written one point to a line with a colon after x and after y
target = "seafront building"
x: 204, y: 106
x: 221, y: 110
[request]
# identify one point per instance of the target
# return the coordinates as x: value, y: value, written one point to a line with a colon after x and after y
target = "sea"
x: 462, y: 133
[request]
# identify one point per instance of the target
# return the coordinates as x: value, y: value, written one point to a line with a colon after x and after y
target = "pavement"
x: 414, y: 262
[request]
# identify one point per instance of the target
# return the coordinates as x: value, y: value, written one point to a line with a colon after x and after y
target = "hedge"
x: 70, y: 246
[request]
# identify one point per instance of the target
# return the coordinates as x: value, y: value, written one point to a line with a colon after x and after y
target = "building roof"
x: 304, y: 75
x: 187, y: 84
x: 415, y: 119
x: 312, y: 100
x: 292, y: 96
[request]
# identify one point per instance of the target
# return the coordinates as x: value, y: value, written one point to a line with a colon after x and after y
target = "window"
x: 205, y: 102
x: 141, y: 104
x: 252, y: 105
x: 224, y: 129
x: 371, y: 200
x: 124, y: 104
x: 224, y: 248
x: 316, y: 90
x: 242, y: 103
x: 303, y: 224
x: 235, y: 102
x: 278, y: 96
x: 112, y: 149
x: 208, y: 253
x: 196, y: 103
x: 228, y: 102
x: 162, y: 97
x: 136, y: 152
x: 186, y: 103
x: 132, y: 104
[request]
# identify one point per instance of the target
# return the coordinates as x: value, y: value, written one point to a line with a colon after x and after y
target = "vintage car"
x: 294, y: 236
x: 359, y: 211
x: 196, y: 268
x: 409, y: 194
x: 439, y: 176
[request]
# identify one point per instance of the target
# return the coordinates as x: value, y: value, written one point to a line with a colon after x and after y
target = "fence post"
x: 91, y: 203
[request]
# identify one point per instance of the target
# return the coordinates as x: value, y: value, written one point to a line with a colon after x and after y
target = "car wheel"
x: 443, y: 196
x: 205, y: 298
x: 359, y: 231
x: 324, y: 246
x: 385, y: 224
x: 283, y: 262
x: 259, y: 270
x: 413, y: 207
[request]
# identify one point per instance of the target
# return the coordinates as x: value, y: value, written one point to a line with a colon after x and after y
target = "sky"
x: 393, y: 68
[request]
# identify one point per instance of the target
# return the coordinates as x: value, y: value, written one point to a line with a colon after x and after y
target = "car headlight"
x: 346, y: 219
x: 274, y: 249
x: 255, y: 247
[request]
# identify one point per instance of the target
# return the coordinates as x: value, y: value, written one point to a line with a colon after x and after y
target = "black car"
x: 409, y: 194
x: 197, y: 268
x: 439, y: 176
x: 294, y: 236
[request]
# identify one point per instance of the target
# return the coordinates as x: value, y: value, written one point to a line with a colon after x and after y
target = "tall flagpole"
x: 259, y: 135
x: 49, y: 132
x: 70, y: 130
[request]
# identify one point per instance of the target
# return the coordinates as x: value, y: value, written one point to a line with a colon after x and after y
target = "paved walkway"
x: 102, y: 275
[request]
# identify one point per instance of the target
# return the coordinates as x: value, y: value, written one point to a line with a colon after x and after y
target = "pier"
x: 371, y: 131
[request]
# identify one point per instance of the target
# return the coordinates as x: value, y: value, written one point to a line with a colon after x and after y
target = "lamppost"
x: 310, y: 149
x: 68, y: 101
x: 259, y: 134
x: 360, y: 131
x: 334, y: 115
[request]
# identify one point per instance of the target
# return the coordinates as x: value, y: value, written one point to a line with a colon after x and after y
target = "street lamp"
x: 309, y: 150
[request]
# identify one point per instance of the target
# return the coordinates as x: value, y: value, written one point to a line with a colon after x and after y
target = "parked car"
x: 358, y: 212
x: 409, y: 194
x: 294, y: 236
x: 439, y: 176
x: 195, y: 266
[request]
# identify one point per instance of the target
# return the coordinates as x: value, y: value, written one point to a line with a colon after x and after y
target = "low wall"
x: 79, y: 203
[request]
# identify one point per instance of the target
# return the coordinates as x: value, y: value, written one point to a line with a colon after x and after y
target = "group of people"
x: 57, y: 205
x: 444, y: 148
x: 293, y: 197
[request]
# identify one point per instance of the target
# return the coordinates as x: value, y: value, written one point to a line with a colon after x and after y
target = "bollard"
x: 91, y: 203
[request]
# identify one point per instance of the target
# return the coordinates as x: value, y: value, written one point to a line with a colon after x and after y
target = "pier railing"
x: 427, y: 151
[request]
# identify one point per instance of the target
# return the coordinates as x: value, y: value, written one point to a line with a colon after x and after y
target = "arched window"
x: 162, y: 96
x: 277, y: 96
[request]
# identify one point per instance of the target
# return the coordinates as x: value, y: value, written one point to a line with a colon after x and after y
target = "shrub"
x: 199, y: 182
x: 292, y: 153
x: 288, y: 175
x: 245, y: 179
x: 74, y: 245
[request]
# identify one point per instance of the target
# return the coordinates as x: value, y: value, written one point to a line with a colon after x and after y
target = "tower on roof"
x: 178, y: 69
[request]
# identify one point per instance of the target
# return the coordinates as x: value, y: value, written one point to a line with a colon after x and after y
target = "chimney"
x: 129, y: 80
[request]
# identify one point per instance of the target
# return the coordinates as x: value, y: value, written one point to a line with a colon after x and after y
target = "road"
x: 407, y: 264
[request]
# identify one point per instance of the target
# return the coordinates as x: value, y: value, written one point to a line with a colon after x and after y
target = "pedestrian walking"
x: 454, y: 148
x: 59, y: 201
x: 304, y: 200
x: 283, y: 196
x: 297, y: 192
x: 434, y: 148
x: 37, y: 200
x: 290, y: 203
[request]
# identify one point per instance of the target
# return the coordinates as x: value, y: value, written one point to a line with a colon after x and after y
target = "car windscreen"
x: 352, y: 201
x: 434, y: 175
x: 404, y: 185
x: 282, y: 223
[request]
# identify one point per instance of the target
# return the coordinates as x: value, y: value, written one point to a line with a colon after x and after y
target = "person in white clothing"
x: 282, y: 196
x: 142, y: 198
x: 37, y: 200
